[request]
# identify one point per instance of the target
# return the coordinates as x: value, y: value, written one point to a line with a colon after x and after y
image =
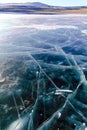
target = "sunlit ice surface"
x: 43, y: 72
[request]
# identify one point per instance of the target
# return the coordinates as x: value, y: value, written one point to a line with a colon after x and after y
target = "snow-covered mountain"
x: 37, y: 4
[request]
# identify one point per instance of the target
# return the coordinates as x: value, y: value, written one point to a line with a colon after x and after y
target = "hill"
x: 37, y: 4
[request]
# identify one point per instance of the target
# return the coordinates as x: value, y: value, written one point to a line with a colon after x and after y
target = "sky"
x: 51, y: 2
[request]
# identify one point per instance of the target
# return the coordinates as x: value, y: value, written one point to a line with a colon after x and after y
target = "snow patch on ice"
x: 84, y: 32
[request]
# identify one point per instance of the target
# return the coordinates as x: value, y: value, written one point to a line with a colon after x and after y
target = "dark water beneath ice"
x: 43, y: 72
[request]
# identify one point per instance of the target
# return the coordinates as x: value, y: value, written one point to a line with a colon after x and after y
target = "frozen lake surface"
x: 43, y: 72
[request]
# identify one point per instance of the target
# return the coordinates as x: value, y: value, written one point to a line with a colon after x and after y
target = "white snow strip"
x: 59, y: 114
x: 84, y: 32
x: 40, y: 27
x: 69, y: 91
x: 46, y: 27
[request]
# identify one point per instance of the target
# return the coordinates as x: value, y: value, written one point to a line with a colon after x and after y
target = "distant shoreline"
x: 57, y: 12
x: 62, y: 12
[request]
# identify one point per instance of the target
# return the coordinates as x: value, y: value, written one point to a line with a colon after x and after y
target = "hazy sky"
x: 51, y: 2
